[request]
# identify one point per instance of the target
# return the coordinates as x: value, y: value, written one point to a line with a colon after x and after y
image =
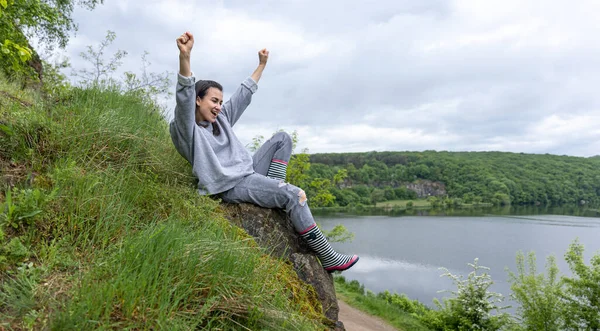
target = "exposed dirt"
x: 356, y: 320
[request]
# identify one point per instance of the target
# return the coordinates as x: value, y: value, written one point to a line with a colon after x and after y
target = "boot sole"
x: 346, y: 266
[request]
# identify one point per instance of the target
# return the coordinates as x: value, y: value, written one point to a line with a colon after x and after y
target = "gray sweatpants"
x: 267, y: 192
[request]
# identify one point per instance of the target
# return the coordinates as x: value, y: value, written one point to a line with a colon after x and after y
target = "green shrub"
x: 538, y: 295
x: 582, y: 291
x: 398, y: 310
x: 404, y: 303
x: 472, y: 306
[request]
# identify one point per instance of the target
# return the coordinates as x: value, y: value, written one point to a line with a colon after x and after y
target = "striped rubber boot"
x: 330, y: 260
x: 277, y: 169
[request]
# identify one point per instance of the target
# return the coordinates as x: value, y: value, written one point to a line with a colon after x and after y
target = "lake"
x: 403, y: 254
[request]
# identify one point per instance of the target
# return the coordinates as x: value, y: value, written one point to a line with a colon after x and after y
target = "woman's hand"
x: 263, y: 56
x: 185, y: 42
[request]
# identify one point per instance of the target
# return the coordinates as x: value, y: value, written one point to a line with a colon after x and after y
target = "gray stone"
x: 273, y: 231
x: 427, y: 188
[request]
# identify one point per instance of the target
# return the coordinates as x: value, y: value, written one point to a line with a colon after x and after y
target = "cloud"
x: 391, y: 75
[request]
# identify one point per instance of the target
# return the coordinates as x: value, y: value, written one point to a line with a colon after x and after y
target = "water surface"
x: 403, y: 254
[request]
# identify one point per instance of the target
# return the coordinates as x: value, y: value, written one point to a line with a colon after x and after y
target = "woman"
x: 201, y: 132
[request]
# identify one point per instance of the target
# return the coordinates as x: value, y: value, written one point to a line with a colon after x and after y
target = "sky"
x: 386, y: 75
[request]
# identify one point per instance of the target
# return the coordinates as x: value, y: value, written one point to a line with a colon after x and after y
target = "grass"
x: 401, y: 316
x: 101, y: 228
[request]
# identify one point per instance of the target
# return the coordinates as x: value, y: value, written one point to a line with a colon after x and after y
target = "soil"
x: 356, y: 320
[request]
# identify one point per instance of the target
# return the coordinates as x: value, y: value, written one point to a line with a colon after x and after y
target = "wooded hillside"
x: 497, y: 177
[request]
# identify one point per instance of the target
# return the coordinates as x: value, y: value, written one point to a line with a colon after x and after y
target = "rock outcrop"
x: 425, y: 188
x: 274, y: 232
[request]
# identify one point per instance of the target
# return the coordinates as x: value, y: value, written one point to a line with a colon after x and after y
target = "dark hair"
x: 201, y: 87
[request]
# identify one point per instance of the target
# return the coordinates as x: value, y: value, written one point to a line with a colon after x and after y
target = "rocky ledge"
x: 273, y: 231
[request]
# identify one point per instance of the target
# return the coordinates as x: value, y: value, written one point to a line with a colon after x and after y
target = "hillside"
x: 496, y: 177
x: 101, y: 227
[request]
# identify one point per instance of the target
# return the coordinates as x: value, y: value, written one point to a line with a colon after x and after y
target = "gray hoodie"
x: 219, y: 162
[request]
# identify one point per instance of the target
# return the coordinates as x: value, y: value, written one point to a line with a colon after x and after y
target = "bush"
x: 404, y: 303
x: 472, y: 305
x: 501, y: 199
x: 539, y: 295
x: 434, y: 201
x: 582, y: 300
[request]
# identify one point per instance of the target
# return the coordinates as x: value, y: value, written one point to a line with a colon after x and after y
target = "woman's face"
x: 209, y: 107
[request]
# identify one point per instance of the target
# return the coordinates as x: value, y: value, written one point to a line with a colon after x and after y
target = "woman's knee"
x: 295, y: 195
x: 282, y: 136
x: 289, y: 195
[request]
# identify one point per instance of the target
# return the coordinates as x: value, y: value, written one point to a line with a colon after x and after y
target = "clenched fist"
x: 263, y: 56
x: 185, y: 42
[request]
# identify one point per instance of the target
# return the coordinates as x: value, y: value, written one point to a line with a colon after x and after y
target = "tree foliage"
x: 102, y: 70
x: 49, y: 21
x: 494, y: 177
x: 101, y: 73
x: 547, y: 301
x: 472, y: 306
x: 582, y: 290
x: 551, y: 302
x: 539, y: 296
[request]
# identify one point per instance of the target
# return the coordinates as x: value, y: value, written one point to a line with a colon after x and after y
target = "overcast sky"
x: 387, y: 75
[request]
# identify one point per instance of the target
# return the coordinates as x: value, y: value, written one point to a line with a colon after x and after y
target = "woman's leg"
x: 272, y: 193
x: 273, y: 156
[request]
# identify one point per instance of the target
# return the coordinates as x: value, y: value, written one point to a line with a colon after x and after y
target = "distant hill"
x: 523, y: 178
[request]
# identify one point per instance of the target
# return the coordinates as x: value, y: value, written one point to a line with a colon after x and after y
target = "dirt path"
x: 356, y: 320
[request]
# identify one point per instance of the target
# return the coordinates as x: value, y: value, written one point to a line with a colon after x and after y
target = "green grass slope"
x: 101, y: 228
x: 401, y: 312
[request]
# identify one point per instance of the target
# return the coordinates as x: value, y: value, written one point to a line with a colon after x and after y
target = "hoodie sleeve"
x: 182, y: 126
x: 239, y: 101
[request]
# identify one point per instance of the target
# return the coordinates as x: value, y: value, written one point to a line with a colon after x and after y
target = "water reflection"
x: 419, y: 281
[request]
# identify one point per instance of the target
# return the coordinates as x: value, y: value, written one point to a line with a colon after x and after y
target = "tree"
x: 319, y: 193
x: 102, y: 70
x: 582, y: 291
x: 362, y: 190
x: 339, y: 234
x: 472, y: 305
x: 434, y: 201
x: 257, y: 141
x: 539, y: 295
x: 404, y: 194
x: 389, y: 193
x: 468, y: 197
x: 501, y: 199
x: 48, y: 20
x: 345, y: 197
x: 377, y: 195
x: 298, y: 167
x: 339, y: 177
x: 147, y: 85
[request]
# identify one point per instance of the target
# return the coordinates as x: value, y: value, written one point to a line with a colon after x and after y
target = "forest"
x: 500, y: 178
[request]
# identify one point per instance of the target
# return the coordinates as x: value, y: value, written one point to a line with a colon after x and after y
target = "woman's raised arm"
x: 182, y: 126
x: 185, y: 42
x: 263, y: 56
